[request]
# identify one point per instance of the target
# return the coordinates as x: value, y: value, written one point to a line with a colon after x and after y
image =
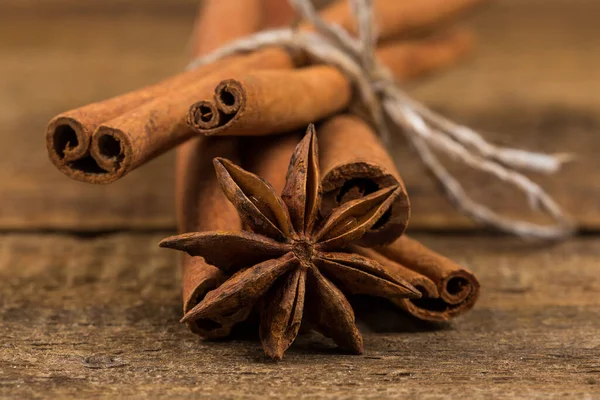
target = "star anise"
x: 291, y: 265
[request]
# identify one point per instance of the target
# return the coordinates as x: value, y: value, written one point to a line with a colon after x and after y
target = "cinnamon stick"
x: 124, y: 143
x: 219, y: 22
x: 68, y: 135
x: 136, y: 127
x: 266, y: 102
x: 202, y: 206
x: 269, y: 157
x: 420, y: 57
x: 354, y: 164
x: 428, y: 289
x: 395, y: 18
x: 458, y: 288
x: 200, y: 202
x: 274, y: 101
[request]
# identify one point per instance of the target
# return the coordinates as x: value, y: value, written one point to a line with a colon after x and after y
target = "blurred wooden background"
x: 533, y: 82
x: 83, y: 314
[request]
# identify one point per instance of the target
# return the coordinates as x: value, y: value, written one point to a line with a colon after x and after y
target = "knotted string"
x: 390, y: 109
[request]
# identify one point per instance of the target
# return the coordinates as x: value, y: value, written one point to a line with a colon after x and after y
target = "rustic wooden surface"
x: 98, y: 317
x: 533, y: 82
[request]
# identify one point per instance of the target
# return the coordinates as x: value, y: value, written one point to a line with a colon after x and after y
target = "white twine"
x: 381, y: 97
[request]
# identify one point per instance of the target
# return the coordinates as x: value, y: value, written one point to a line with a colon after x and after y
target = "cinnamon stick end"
x: 199, y: 278
x: 214, y: 117
x: 460, y: 287
x: 68, y: 146
x: 230, y: 96
x: 66, y: 139
x: 355, y: 180
x: 203, y: 116
x: 112, y: 151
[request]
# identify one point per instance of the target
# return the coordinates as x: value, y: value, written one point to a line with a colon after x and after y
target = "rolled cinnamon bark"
x: 121, y: 145
x: 68, y: 134
x: 219, y: 22
x: 202, y: 206
x: 269, y: 157
x: 458, y: 287
x: 200, y: 202
x: 139, y: 135
x: 354, y: 164
x: 417, y: 58
x: 427, y: 307
x: 395, y: 18
x: 273, y: 101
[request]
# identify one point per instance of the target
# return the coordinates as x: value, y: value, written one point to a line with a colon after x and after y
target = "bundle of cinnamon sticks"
x: 250, y: 108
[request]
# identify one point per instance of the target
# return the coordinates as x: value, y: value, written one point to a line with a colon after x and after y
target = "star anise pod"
x: 290, y: 265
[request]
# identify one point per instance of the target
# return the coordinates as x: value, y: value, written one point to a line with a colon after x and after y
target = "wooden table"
x: 90, y: 305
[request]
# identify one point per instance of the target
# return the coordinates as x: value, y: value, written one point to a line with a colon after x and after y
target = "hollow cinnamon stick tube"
x: 139, y: 135
x: 274, y: 101
x: 269, y: 157
x: 458, y: 287
x: 68, y: 134
x: 264, y: 102
x: 354, y: 164
x: 202, y: 206
x: 429, y: 307
x: 200, y: 203
x: 420, y: 57
x: 395, y: 18
x: 115, y: 151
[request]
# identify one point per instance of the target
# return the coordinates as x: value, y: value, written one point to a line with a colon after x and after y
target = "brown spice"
x: 395, y: 18
x: 416, y: 58
x: 68, y: 135
x: 458, y: 288
x: 136, y: 127
x: 291, y: 260
x: 267, y: 102
x: 269, y: 156
x: 200, y: 203
x: 219, y: 22
x: 159, y: 125
x: 355, y: 164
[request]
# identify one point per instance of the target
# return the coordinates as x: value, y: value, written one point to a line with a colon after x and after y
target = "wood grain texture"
x: 534, y: 82
x: 83, y: 318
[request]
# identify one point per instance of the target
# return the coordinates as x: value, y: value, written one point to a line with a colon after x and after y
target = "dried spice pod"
x: 458, y: 288
x: 355, y: 164
x: 290, y: 262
